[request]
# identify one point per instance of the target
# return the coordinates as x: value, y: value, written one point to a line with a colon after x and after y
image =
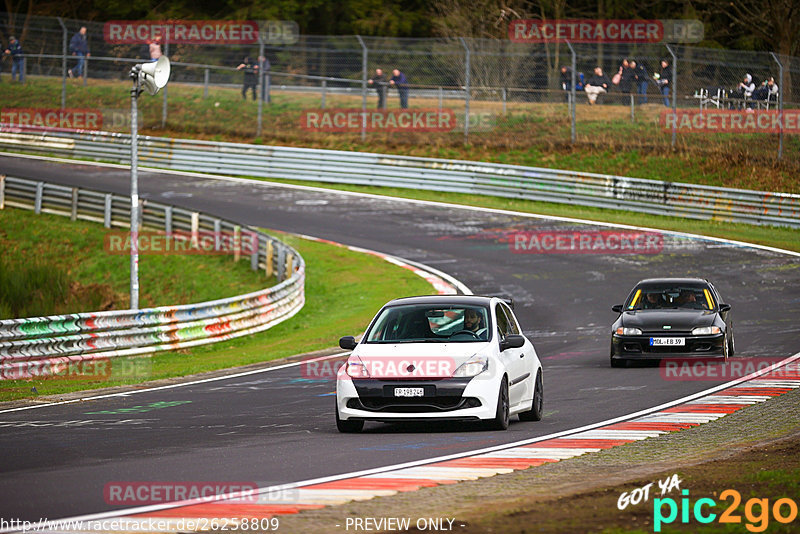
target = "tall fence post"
x: 504, y: 100
x: 261, y: 79
x: 674, y: 83
x: 324, y: 88
x: 364, y: 57
x: 441, y: 96
x: 466, y: 89
x: 164, y: 102
x: 780, y: 105
x: 572, y: 92
x: 205, y: 84
x: 63, y: 63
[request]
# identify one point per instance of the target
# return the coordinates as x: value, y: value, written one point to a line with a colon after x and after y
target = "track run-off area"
x: 276, y: 426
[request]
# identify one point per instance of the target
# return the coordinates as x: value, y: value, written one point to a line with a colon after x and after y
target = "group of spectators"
x: 747, y: 90
x: 78, y: 46
x: 381, y: 84
x: 631, y: 78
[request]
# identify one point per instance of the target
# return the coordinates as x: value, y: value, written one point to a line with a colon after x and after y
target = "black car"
x: 672, y: 318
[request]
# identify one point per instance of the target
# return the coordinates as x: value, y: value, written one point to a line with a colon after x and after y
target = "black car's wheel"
x: 348, y: 426
x: 726, y: 348
x: 731, y: 346
x: 500, y: 421
x: 617, y: 362
x: 535, y: 413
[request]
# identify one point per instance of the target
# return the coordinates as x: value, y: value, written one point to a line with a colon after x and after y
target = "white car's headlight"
x: 472, y: 367
x: 355, y: 368
x: 706, y: 331
x: 628, y: 331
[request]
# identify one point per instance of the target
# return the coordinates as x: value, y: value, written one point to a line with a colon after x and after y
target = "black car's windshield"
x: 430, y: 323
x: 652, y: 297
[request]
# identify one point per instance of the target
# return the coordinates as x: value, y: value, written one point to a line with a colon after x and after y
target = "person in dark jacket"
x: 79, y: 47
x: 250, y: 77
x: 400, y: 81
x: 565, y: 81
x: 640, y: 80
x: 627, y: 76
x: 379, y: 81
x: 662, y: 80
x: 17, y: 59
x: 596, y: 85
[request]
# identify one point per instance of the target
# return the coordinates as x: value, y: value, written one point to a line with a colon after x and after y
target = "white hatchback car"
x: 440, y: 357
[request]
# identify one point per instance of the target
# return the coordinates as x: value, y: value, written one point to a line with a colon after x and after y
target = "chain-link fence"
x: 499, y: 92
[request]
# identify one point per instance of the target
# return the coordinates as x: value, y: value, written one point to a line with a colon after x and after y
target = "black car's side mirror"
x: 513, y: 341
x: 348, y: 342
x: 617, y: 308
x: 724, y: 307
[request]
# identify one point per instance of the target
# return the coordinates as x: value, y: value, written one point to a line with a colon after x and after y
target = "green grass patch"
x: 65, y: 267
x: 529, y: 133
x: 344, y: 289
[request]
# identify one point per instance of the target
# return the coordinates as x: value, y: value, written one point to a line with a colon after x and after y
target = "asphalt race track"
x: 278, y: 427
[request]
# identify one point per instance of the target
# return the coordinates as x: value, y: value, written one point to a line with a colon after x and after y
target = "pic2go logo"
x: 756, y: 511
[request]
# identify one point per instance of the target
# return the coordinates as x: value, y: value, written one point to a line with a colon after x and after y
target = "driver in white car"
x: 473, y: 321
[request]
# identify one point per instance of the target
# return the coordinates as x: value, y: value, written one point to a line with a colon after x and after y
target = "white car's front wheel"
x: 500, y: 421
x: 348, y: 426
x: 535, y: 413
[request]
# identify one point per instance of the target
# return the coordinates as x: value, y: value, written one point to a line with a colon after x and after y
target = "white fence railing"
x: 511, y: 181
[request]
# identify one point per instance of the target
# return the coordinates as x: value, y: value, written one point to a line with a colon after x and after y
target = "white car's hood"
x: 416, y: 360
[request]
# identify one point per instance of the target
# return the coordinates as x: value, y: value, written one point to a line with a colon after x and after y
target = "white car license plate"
x: 667, y: 341
x: 409, y: 392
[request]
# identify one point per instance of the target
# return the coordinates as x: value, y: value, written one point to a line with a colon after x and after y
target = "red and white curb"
x: 692, y: 411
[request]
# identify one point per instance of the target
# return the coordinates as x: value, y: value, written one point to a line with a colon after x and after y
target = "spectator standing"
x: 250, y: 77
x: 662, y: 80
x: 79, y: 46
x: 400, y: 81
x: 641, y: 80
x: 17, y: 59
x: 626, y: 76
x: 596, y: 85
x: 155, y: 49
x: 379, y: 81
x: 565, y: 81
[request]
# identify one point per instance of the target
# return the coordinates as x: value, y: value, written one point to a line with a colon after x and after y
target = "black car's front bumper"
x: 639, y: 347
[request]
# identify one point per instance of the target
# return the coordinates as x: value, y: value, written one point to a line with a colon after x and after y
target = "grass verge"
x: 525, y: 133
x: 344, y: 289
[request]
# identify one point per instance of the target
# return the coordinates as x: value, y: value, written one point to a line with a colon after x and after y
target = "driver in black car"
x: 473, y: 321
x: 653, y: 301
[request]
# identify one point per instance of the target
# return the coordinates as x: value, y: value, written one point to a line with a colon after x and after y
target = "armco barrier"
x: 531, y: 183
x: 83, y: 336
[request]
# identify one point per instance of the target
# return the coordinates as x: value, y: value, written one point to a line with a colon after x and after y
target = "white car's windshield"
x: 430, y: 323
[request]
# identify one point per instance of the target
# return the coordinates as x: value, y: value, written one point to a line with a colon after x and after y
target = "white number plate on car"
x: 409, y: 392
x: 667, y: 341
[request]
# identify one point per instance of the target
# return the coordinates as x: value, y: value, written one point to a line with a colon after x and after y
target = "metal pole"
x: 324, y: 88
x: 164, y: 103
x: 134, y: 194
x: 780, y: 105
x: 466, y: 89
x: 63, y: 63
x: 261, y: 64
x: 205, y: 84
x: 674, y: 83
x: 504, y: 100
x: 364, y: 54
x: 572, y: 92
x: 633, y: 113
x: 440, y: 99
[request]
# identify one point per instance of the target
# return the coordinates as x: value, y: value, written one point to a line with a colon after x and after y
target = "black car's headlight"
x: 706, y: 330
x: 628, y: 331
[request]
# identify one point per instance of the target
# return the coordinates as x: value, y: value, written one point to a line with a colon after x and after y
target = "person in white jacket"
x: 744, y: 90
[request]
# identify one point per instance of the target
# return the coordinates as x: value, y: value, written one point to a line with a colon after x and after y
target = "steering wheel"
x: 470, y: 332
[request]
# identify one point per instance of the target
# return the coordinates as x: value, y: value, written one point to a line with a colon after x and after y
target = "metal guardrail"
x: 510, y: 181
x: 32, y: 346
